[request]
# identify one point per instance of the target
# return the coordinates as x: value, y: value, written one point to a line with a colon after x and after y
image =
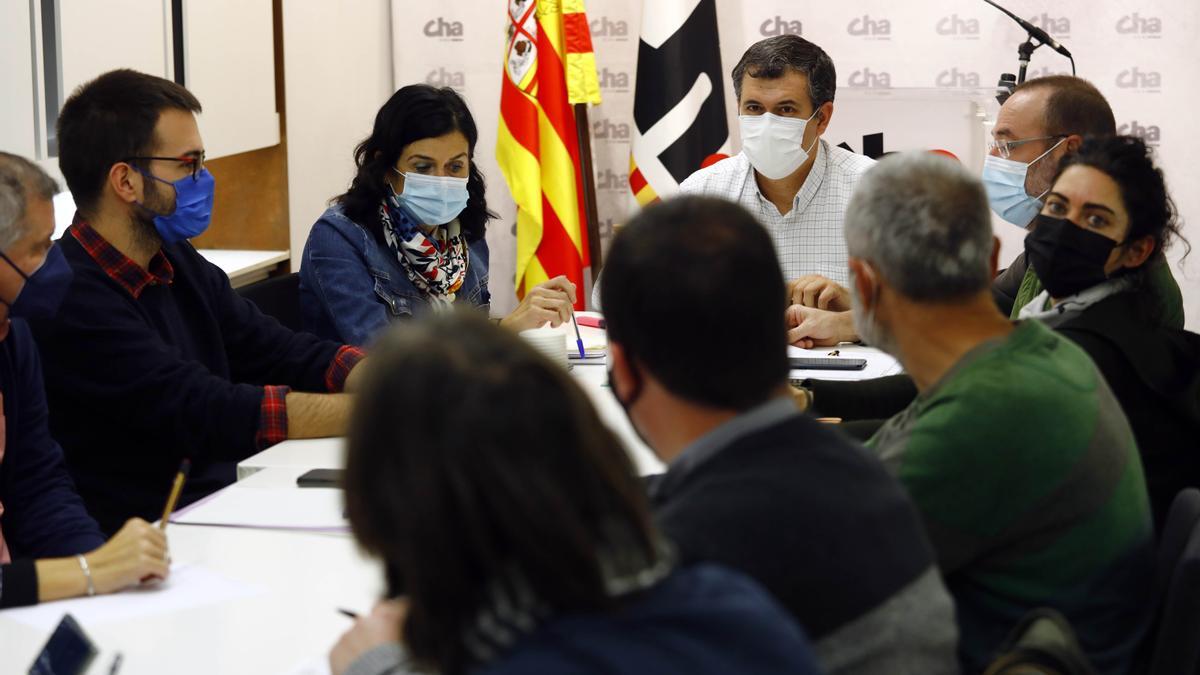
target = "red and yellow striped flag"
x: 549, y: 65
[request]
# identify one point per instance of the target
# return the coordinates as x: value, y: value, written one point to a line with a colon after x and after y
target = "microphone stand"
x: 1008, y: 82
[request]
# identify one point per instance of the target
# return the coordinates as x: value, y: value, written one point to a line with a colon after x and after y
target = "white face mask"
x: 773, y: 144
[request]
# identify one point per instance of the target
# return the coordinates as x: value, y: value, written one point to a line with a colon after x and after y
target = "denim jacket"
x: 351, y: 286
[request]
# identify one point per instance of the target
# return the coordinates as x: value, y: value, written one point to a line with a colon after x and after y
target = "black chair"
x: 1177, y: 639
x: 278, y: 297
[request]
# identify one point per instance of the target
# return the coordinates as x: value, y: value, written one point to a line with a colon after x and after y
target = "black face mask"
x: 1067, y: 259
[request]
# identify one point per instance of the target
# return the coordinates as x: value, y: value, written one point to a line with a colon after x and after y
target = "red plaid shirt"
x: 272, y: 420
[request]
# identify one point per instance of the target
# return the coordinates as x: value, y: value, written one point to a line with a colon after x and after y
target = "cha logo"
x: 446, y: 30
x: 865, y: 26
x: 611, y: 180
x: 446, y: 78
x: 603, y: 27
x: 867, y: 79
x: 1139, y: 26
x: 956, y: 78
x: 956, y: 26
x: 780, y: 26
x: 1150, y: 133
x: 610, y: 131
x: 613, y: 80
x: 1139, y: 80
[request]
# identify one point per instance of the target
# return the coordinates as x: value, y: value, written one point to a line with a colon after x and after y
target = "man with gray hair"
x: 50, y: 548
x: 1015, y: 451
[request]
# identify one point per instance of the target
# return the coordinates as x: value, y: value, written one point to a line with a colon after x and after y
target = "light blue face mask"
x: 434, y: 200
x: 1004, y: 180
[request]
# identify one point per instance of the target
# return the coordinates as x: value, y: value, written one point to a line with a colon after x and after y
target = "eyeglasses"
x: 194, y: 162
x: 1005, y: 148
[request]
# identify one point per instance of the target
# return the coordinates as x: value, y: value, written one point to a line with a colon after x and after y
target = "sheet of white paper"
x: 188, y: 586
x: 879, y: 364
x: 286, y: 508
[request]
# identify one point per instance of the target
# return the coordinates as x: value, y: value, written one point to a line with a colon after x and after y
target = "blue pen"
x: 578, y: 337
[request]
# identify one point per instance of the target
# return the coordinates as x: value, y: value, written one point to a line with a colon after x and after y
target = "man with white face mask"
x: 796, y: 184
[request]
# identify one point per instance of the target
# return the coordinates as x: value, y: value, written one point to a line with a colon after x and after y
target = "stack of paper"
x: 289, y: 508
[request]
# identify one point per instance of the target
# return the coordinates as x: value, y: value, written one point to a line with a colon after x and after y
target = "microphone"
x: 1034, y: 32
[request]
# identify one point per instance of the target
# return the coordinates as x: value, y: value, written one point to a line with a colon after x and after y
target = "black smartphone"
x: 825, y: 363
x: 69, y: 651
x: 325, y: 478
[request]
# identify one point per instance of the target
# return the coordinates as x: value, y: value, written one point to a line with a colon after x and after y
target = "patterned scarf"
x: 437, y: 266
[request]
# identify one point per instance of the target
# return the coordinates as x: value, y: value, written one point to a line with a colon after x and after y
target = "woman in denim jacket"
x: 408, y: 236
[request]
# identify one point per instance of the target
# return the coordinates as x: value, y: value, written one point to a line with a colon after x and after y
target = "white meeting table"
x: 299, y: 579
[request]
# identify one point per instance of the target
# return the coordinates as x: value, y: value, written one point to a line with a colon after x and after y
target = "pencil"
x: 176, y: 489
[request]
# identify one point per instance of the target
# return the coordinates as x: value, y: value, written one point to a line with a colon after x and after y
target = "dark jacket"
x: 1155, y: 373
x: 137, y: 384
x: 352, y: 286
x: 818, y: 521
x: 700, y: 620
x: 43, y: 515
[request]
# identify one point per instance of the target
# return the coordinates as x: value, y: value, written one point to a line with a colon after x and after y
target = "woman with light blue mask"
x: 407, y: 238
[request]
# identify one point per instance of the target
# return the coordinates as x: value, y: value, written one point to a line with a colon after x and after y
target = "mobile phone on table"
x: 69, y: 651
x: 325, y: 478
x: 825, y: 363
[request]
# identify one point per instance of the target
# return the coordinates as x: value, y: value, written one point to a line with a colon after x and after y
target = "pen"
x: 116, y: 664
x: 578, y: 337
x: 177, y: 488
x: 346, y: 612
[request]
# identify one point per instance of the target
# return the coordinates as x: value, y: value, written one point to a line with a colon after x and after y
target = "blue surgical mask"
x: 193, y: 207
x: 1004, y: 180
x: 44, y: 290
x: 434, y: 200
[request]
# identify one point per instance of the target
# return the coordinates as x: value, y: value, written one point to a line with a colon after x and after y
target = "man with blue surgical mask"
x: 1043, y: 121
x: 153, y: 358
x: 794, y: 182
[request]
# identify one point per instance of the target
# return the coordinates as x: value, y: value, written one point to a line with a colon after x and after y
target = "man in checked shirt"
x: 795, y: 183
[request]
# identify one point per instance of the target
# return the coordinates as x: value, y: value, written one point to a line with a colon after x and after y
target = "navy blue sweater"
x: 43, y: 515
x: 137, y: 384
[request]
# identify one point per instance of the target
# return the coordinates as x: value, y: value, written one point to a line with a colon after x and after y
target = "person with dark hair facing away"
x: 1043, y: 121
x: 408, y: 236
x: 517, y: 538
x: 1015, y: 451
x: 1106, y: 219
x: 50, y: 548
x: 153, y: 358
x: 752, y: 483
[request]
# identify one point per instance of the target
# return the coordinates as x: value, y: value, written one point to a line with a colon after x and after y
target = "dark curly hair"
x: 1130, y: 163
x: 413, y: 113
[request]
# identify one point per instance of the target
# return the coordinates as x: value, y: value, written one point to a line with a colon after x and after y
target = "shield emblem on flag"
x: 522, y: 41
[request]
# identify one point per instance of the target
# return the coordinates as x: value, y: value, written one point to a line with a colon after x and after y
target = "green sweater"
x: 1028, y: 479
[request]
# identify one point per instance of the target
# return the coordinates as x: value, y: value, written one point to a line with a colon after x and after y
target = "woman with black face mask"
x: 1106, y: 219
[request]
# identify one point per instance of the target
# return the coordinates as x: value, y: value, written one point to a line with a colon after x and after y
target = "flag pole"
x: 583, y: 129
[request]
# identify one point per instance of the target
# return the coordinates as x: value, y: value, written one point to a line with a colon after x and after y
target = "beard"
x: 868, y: 329
x: 142, y: 219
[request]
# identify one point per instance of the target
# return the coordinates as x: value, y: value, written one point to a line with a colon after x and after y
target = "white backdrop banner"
x: 1142, y: 55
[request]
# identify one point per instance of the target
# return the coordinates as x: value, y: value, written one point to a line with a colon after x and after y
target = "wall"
x: 337, y: 73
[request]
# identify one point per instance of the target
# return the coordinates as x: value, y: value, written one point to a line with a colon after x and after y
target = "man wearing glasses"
x: 1043, y: 121
x: 153, y: 358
